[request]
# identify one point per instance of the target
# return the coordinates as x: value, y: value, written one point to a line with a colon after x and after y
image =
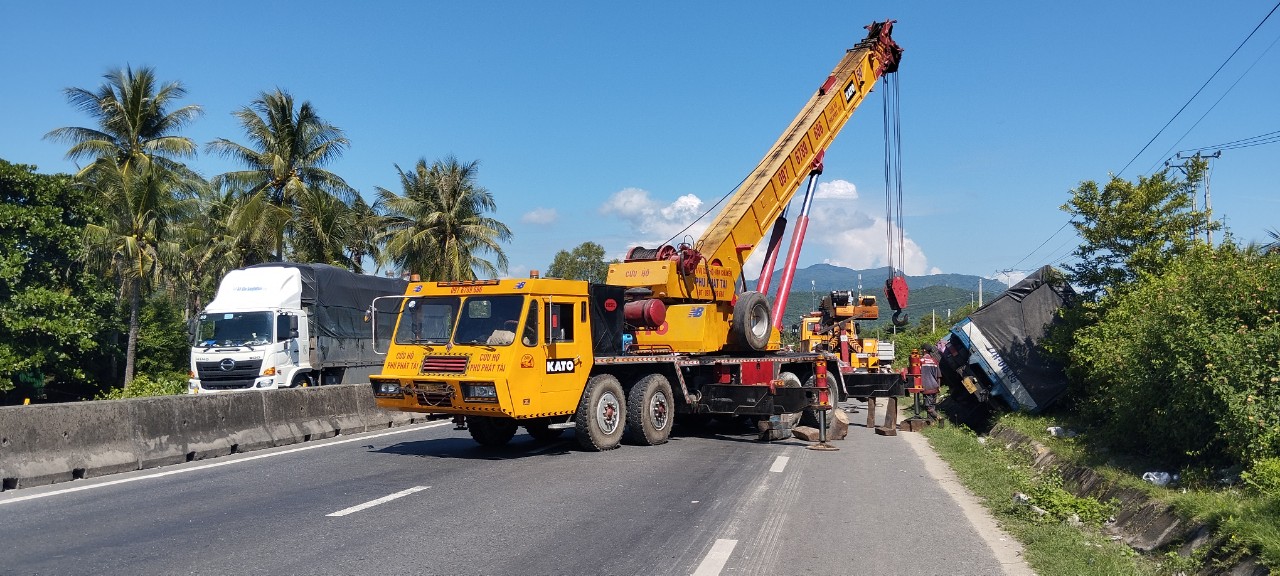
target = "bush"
x: 1184, y: 367
x: 144, y: 385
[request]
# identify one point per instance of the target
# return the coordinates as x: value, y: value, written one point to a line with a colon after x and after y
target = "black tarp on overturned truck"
x: 994, y: 354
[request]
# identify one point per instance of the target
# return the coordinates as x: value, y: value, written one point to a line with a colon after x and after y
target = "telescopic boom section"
x: 753, y: 208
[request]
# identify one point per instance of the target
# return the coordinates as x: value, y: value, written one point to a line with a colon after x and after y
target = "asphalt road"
x: 426, y: 500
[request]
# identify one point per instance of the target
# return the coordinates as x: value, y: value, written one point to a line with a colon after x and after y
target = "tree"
x: 285, y: 163
x: 135, y: 238
x: 438, y: 228
x: 54, y: 316
x: 585, y: 262
x: 135, y: 125
x: 1131, y: 229
x: 136, y: 175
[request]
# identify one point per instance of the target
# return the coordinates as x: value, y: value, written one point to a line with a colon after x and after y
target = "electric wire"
x: 1202, y: 87
x: 1215, y: 105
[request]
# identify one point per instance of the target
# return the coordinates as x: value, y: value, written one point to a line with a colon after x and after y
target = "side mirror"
x: 293, y: 326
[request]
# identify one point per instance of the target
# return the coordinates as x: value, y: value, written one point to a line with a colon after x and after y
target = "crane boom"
x: 758, y: 202
x: 697, y: 283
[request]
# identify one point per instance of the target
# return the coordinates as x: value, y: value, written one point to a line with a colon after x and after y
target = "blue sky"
x: 617, y: 122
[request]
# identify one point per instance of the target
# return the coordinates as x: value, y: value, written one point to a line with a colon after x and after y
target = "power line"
x: 1202, y: 87
x: 1215, y: 105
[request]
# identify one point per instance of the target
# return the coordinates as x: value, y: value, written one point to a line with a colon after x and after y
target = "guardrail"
x: 50, y: 443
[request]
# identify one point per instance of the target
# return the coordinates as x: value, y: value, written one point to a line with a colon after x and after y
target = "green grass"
x: 1248, y: 515
x: 1052, y: 545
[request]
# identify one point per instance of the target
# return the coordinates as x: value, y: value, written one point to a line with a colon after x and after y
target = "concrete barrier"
x: 49, y: 443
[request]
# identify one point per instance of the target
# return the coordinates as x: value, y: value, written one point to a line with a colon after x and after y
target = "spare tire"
x: 752, y: 324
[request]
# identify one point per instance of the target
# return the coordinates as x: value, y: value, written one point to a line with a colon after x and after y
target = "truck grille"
x: 228, y: 374
x: 436, y: 394
x: 445, y: 364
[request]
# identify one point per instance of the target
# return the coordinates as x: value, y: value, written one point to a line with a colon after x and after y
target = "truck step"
x: 561, y: 426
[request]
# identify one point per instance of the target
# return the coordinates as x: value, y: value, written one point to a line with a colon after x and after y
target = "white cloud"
x: 844, y: 235
x: 839, y: 232
x: 540, y: 216
x: 653, y: 222
x: 836, y: 190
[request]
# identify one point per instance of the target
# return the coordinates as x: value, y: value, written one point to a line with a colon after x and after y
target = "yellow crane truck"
x: 671, y: 331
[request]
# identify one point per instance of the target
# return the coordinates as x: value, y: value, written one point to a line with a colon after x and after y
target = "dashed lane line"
x: 779, y: 463
x: 716, y: 558
x: 375, y: 502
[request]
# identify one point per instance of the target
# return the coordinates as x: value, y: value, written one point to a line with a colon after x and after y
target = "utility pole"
x: 979, y: 291
x: 1195, y: 204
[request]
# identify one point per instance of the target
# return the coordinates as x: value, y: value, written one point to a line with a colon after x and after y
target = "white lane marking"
x: 779, y: 463
x: 382, y: 500
x: 361, y: 438
x: 716, y: 558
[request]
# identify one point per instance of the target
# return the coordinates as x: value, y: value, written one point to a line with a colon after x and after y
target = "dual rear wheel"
x: 606, y: 414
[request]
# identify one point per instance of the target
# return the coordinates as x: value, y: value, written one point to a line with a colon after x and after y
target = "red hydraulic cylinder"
x: 775, y: 242
x: 797, y: 240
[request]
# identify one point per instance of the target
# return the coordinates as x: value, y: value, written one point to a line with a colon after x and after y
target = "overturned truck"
x: 993, y: 359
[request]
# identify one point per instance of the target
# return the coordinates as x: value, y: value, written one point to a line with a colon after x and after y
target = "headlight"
x: 480, y: 392
x: 387, y: 388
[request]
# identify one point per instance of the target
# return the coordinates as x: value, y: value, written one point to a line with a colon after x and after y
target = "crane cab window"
x: 560, y: 322
x: 530, y: 337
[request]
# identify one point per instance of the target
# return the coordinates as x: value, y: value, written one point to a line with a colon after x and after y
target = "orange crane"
x: 668, y: 334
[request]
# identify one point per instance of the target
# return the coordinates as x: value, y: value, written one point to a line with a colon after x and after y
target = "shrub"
x: 1185, y: 366
x: 144, y: 385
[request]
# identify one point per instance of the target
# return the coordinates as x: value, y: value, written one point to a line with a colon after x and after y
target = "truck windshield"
x: 234, y: 329
x: 486, y: 320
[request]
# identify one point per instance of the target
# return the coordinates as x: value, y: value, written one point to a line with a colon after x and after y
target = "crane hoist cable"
x: 896, y: 284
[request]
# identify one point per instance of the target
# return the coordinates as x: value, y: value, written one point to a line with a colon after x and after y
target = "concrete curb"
x: 1145, y: 524
x: 51, y: 443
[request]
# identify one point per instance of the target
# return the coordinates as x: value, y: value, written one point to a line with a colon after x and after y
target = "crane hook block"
x: 901, y: 321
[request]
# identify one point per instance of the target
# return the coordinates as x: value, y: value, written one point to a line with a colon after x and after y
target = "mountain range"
x: 931, y: 294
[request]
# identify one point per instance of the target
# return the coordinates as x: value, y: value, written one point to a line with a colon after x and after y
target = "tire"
x: 810, y: 417
x: 302, y: 381
x: 601, y: 417
x: 539, y: 431
x: 751, y: 324
x: 650, y: 411
x: 491, y: 432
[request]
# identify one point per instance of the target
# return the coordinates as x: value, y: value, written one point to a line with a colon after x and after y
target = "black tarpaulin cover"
x: 338, y: 299
x: 1003, y: 338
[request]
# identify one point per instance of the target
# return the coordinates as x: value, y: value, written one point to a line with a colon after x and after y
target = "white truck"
x: 285, y: 324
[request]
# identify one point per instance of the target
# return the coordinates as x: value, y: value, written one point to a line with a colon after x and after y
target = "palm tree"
x: 135, y: 152
x: 134, y: 239
x: 363, y: 239
x: 135, y: 127
x: 284, y: 159
x: 438, y: 229
x: 1274, y: 244
x: 321, y: 228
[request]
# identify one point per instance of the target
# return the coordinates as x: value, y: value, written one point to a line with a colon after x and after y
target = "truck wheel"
x: 601, y: 417
x: 491, y: 432
x: 302, y: 381
x: 751, y: 322
x: 650, y: 411
x: 539, y: 430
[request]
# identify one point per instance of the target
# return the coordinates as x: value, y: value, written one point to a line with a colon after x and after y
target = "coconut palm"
x: 320, y: 229
x: 438, y: 228
x: 135, y: 238
x: 363, y: 238
x: 285, y: 157
x: 135, y: 150
x: 135, y: 125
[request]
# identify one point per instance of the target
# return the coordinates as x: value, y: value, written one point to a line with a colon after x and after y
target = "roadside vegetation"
x: 100, y: 270
x: 1172, y: 354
